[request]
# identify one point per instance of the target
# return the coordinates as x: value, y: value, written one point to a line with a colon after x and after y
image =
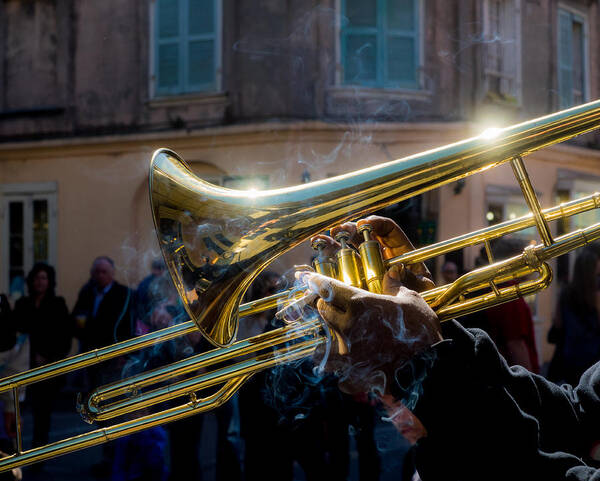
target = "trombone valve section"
x: 364, y: 269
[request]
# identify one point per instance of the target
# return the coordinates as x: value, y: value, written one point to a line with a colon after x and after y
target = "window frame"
x: 27, y: 193
x: 183, y: 88
x: 574, y: 13
x: 518, y: 49
x: 382, y: 51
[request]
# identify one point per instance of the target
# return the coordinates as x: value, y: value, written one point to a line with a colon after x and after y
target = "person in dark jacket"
x: 7, y: 329
x: 481, y: 419
x: 103, y: 314
x: 103, y: 307
x: 45, y: 318
x: 143, y: 298
x: 576, y: 325
x: 8, y: 339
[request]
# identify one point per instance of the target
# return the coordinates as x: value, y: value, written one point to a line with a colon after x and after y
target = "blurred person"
x: 17, y: 288
x: 482, y: 418
x: 510, y: 325
x: 165, y: 309
x: 351, y: 415
x: 103, y: 315
x: 476, y: 319
x: 576, y: 324
x: 449, y: 272
x: 44, y: 317
x: 141, y: 456
x: 142, y: 297
x: 281, y: 409
x: 14, y: 358
x: 103, y: 307
x: 410, y: 427
x: 257, y: 421
x: 7, y: 330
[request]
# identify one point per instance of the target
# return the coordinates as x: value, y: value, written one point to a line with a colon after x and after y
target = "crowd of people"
x: 283, y: 416
x: 287, y: 413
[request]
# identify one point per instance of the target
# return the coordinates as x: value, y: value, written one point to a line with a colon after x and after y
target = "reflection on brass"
x: 348, y: 262
x: 323, y: 264
x: 215, y: 241
x: 372, y: 260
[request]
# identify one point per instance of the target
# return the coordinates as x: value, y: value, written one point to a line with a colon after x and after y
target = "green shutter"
x: 186, y: 45
x: 201, y: 15
x: 379, y: 43
x: 361, y: 13
x: 400, y: 15
x: 402, y: 41
x: 168, y: 19
x: 578, y: 56
x: 565, y: 58
x: 361, y: 59
x: 168, y: 78
x: 201, y: 45
x: 401, y: 61
x: 168, y: 67
x: 201, y: 63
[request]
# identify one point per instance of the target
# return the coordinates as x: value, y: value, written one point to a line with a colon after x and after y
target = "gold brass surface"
x: 348, y: 263
x: 372, y: 261
x: 323, y: 264
x: 216, y: 241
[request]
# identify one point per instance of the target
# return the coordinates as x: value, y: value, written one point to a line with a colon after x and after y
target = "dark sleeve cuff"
x: 486, y: 420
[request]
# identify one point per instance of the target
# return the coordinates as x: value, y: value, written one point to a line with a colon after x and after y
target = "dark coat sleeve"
x: 49, y: 327
x: 124, y: 314
x: 487, y: 421
x: 7, y: 328
x: 84, y: 303
x: 113, y: 320
x: 63, y: 331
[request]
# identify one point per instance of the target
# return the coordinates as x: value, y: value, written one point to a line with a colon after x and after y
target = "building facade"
x: 272, y: 93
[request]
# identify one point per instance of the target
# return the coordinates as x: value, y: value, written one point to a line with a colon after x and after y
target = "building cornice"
x: 388, y: 133
x: 239, y: 134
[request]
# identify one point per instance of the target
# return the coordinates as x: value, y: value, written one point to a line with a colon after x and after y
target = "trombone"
x: 215, y: 241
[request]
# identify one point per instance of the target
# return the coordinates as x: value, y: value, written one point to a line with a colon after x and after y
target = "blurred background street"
x: 79, y: 466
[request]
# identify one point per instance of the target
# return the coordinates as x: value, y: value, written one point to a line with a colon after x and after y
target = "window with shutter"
x: 571, y: 58
x: 186, y: 46
x: 502, y: 49
x: 380, y: 43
